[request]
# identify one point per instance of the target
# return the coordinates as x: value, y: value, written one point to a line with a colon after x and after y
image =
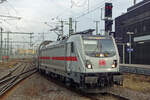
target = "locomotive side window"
x: 72, y: 47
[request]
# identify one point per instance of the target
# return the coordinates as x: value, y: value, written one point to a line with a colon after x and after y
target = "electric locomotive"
x: 82, y: 59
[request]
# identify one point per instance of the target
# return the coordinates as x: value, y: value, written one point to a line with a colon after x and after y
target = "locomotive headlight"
x: 114, y: 65
x: 88, y: 64
x: 101, y: 55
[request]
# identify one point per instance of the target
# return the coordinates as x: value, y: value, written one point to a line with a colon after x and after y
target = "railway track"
x: 117, y: 93
x: 120, y: 93
x: 18, y: 73
x: 92, y: 96
x: 104, y: 95
x: 129, y: 94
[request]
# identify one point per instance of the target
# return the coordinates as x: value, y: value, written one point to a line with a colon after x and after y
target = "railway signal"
x: 108, y: 25
x: 108, y: 10
x: 108, y: 17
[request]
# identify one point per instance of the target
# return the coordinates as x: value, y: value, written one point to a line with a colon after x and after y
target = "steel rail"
x: 8, y: 80
x: 17, y: 79
x: 10, y: 72
x: 11, y: 81
x: 128, y: 94
x: 92, y: 96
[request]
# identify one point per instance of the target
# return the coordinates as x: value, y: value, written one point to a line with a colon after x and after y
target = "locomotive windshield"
x: 99, y: 47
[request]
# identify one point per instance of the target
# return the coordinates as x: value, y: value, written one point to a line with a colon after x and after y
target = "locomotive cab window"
x: 99, y: 47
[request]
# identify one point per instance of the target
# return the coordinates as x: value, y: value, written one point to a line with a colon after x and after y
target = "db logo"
x: 102, y: 62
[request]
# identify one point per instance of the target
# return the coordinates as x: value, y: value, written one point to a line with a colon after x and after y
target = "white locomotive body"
x: 89, y: 61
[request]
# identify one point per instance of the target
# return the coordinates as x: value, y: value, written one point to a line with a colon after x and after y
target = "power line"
x: 87, y: 12
x: 77, y: 4
x: 67, y: 9
x: 20, y: 42
x: 12, y: 7
x: 93, y: 9
x: 14, y: 17
x: 17, y: 33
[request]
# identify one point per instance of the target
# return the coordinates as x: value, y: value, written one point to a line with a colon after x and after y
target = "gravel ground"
x: 138, y: 83
x: 37, y: 87
x: 7, y: 65
x: 3, y: 67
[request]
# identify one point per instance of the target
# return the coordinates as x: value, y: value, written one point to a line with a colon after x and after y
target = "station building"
x: 137, y: 21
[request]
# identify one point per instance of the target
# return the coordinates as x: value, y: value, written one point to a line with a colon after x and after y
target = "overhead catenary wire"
x: 101, y: 5
x: 5, y: 9
x: 12, y: 7
x: 7, y: 24
x: 95, y: 7
x: 15, y: 17
x: 77, y: 3
x: 68, y: 9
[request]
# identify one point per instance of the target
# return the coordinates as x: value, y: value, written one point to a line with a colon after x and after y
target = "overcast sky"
x: 34, y: 13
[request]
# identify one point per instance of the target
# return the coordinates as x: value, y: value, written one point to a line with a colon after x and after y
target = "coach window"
x: 72, y: 47
x: 135, y: 30
x: 144, y: 28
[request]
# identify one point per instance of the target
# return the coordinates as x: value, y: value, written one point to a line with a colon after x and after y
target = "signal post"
x: 108, y: 18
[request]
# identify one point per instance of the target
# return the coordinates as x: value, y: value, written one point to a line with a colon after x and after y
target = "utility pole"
x: 8, y: 44
x: 32, y: 37
x: 70, y: 26
x: 1, y: 52
x: 102, y: 14
x: 96, y: 22
x: 11, y: 48
x: 130, y: 46
x: 5, y: 46
x: 43, y: 36
x: 18, y: 47
x: 62, y: 27
x: 134, y: 2
x: 75, y: 26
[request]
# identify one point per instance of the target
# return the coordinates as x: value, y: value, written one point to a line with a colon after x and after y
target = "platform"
x: 135, y: 69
